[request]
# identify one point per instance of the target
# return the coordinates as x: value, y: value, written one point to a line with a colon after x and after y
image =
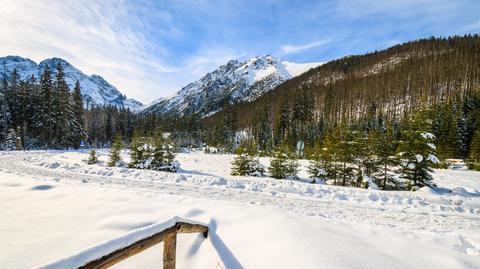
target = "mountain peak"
x: 236, y: 81
x: 95, y: 89
x: 14, y: 58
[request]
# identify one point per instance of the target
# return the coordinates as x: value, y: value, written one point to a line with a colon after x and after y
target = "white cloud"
x: 100, y: 37
x: 288, y: 49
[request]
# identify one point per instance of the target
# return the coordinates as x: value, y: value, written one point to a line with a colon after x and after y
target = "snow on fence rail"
x: 116, y: 250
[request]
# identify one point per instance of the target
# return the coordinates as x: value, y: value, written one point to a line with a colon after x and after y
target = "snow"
x: 428, y: 135
x: 431, y: 145
x: 296, y: 69
x: 433, y: 158
x: 57, y: 206
x: 110, y: 246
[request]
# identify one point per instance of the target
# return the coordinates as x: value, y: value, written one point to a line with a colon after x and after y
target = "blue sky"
x: 150, y: 49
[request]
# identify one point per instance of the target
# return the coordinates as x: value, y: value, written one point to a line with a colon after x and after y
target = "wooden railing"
x: 168, y: 235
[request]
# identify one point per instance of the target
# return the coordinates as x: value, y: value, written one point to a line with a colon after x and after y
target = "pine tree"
x: 114, y: 156
x: 329, y: 155
x: 11, y: 140
x: 162, y: 157
x: 4, y: 118
x: 292, y: 165
x: 384, y: 145
x: 45, y: 118
x: 322, y: 166
x: 283, y: 122
x: 242, y: 162
x: 283, y: 165
x: 137, y: 151
x: 474, y: 156
x: 61, y: 105
x: 92, y: 159
x: 75, y: 117
x: 417, y: 153
x: 11, y: 96
x: 448, y: 140
x: 346, y: 155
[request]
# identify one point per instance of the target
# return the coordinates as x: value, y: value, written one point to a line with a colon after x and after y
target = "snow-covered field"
x: 53, y: 205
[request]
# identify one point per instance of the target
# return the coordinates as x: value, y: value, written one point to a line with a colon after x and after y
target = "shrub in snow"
x: 284, y: 164
x: 92, y: 159
x: 114, y: 157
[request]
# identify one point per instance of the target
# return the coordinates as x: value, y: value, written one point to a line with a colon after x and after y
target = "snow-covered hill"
x: 95, y: 89
x: 236, y: 81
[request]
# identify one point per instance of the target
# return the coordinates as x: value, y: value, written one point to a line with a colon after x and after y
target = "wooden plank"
x: 169, y: 251
x: 143, y: 244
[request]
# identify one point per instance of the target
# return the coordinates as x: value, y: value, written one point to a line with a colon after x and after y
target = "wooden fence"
x: 168, y: 235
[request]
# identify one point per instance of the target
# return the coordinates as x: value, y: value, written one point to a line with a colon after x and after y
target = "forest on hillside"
x: 47, y: 114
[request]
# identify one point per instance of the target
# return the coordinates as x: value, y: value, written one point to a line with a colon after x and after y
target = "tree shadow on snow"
x: 195, y: 172
x: 459, y: 191
x: 42, y: 188
x: 227, y: 257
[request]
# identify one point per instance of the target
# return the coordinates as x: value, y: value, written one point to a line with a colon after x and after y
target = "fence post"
x: 169, y: 250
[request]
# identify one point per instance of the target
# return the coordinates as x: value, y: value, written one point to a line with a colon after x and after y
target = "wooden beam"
x: 169, y: 251
x: 143, y: 244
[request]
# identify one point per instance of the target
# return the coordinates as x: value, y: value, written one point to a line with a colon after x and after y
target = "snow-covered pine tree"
x: 75, y: 117
x: 44, y: 117
x: 256, y: 168
x: 61, y: 106
x: 137, y: 151
x: 11, y: 140
x: 384, y: 145
x: 4, y: 118
x: 11, y: 96
x: 417, y: 153
x: 474, y: 156
x: 114, y: 156
x: 170, y: 164
x: 346, y: 154
x: 292, y: 166
x: 283, y: 121
x: 320, y: 165
x: 161, y: 156
x: 278, y: 163
x: 446, y: 132
x: 364, y: 160
x: 92, y: 159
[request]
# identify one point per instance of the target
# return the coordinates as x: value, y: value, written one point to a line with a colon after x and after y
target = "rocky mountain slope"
x: 236, y: 81
x: 95, y: 89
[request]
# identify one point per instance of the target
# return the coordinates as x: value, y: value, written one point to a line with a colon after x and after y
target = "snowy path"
x: 423, y: 211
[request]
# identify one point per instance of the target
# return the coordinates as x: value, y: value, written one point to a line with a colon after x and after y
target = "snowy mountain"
x: 95, y: 89
x: 236, y: 81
